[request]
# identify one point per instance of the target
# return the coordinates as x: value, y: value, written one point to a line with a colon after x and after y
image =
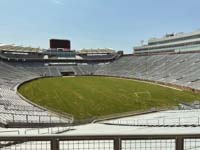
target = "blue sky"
x: 117, y: 24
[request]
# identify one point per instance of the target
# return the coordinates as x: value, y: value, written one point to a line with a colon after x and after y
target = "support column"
x: 179, y: 143
x: 54, y: 144
x: 117, y: 144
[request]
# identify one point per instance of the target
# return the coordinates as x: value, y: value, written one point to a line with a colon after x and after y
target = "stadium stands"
x: 171, y: 118
x: 95, y: 57
x: 14, y: 110
x: 21, y: 56
x: 40, y: 69
x: 17, y: 48
x: 178, y: 69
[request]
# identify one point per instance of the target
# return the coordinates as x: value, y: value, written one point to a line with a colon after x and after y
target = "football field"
x: 88, y: 97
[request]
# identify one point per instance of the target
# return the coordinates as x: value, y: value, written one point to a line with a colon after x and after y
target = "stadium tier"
x: 171, y: 43
x: 14, y: 110
x: 177, y: 69
x: 17, y: 48
x: 20, y: 53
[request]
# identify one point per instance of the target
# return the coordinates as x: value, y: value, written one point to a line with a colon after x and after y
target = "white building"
x: 171, y: 43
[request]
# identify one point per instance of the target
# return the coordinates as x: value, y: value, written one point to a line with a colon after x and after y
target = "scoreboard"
x: 60, y: 44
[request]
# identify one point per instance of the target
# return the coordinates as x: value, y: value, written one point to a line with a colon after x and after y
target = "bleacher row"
x: 177, y: 69
x: 15, y: 110
x: 170, y: 118
x: 54, y: 71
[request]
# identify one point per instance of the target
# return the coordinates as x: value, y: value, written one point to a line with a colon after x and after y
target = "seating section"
x: 40, y: 69
x: 21, y: 56
x: 177, y: 69
x: 44, y: 71
x: 13, y: 109
x: 170, y: 118
x: 97, y: 57
x: 87, y: 69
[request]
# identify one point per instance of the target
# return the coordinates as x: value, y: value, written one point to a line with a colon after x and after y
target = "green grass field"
x: 86, y: 97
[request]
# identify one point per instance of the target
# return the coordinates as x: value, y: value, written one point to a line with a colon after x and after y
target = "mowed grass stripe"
x: 86, y: 97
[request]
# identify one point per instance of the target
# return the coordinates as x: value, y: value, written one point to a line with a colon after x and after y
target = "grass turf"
x: 86, y: 97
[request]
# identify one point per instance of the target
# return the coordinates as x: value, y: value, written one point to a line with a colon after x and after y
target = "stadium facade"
x: 171, y: 43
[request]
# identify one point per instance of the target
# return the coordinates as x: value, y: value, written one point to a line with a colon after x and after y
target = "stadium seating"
x: 177, y: 69
x: 109, y: 56
x: 14, y: 109
x: 21, y: 56
x: 40, y: 69
x: 170, y: 118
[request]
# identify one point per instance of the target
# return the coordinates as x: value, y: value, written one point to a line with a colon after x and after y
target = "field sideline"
x: 87, y: 97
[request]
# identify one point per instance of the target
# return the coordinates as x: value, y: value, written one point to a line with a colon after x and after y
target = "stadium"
x: 59, y: 98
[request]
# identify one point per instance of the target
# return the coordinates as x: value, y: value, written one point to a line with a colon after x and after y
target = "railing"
x: 28, y: 118
x: 54, y: 130
x: 23, y: 108
x: 176, y: 121
x: 103, y: 142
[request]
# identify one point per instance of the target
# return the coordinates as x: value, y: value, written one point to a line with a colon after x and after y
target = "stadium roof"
x: 18, y: 48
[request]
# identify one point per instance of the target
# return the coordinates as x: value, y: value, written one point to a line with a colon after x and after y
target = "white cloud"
x: 57, y: 2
